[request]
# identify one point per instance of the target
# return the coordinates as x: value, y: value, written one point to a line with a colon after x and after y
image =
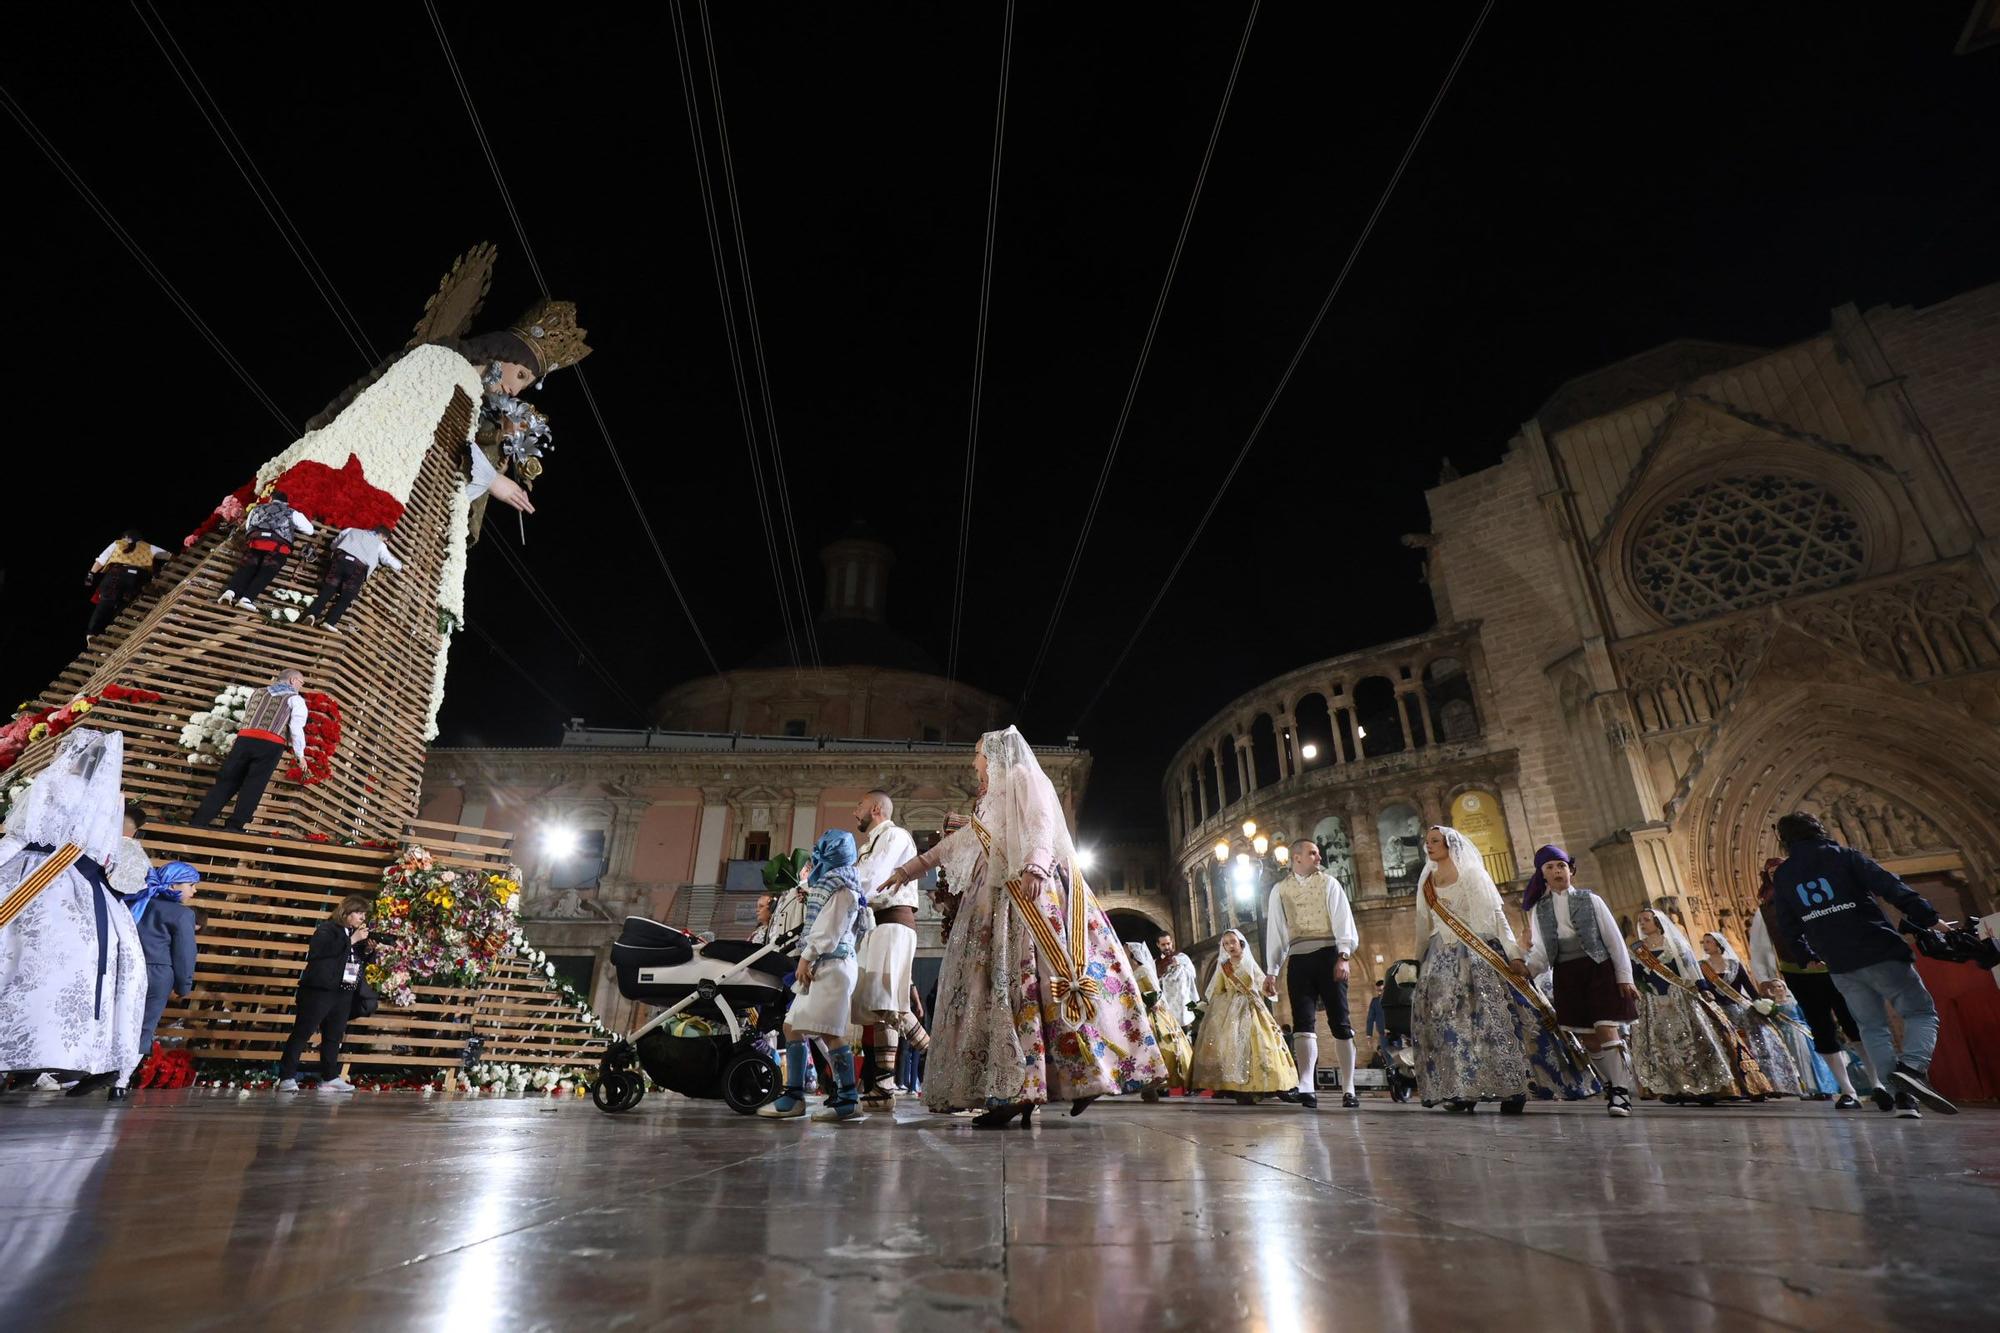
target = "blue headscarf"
x: 834, y: 850
x: 162, y: 882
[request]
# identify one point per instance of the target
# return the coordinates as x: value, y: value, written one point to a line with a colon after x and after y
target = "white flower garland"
x: 208, y: 735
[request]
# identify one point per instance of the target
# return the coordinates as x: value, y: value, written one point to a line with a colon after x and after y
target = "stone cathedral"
x: 1705, y: 586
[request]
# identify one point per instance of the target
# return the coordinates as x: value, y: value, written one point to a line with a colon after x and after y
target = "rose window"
x: 1743, y: 541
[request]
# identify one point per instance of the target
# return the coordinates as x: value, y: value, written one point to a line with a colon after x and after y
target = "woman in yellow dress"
x: 1175, y: 1048
x: 1240, y: 1049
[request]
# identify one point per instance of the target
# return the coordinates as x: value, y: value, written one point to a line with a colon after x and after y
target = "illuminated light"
x: 1249, y: 828
x: 1085, y: 858
x: 1361, y: 733
x: 1222, y: 851
x: 1242, y: 862
x: 1284, y: 854
x: 1260, y: 844
x: 1309, y: 750
x: 560, y: 842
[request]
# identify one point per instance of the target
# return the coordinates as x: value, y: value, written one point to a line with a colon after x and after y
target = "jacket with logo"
x: 1825, y: 904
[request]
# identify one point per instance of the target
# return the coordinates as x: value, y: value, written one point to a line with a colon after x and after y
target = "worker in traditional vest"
x: 1308, y: 920
x: 274, y: 718
x: 1575, y: 936
x: 125, y: 565
x: 268, y: 532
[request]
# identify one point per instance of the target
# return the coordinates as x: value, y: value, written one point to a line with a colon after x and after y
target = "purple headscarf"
x: 1538, y: 886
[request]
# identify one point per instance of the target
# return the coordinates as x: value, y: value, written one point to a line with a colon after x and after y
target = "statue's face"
x: 514, y: 378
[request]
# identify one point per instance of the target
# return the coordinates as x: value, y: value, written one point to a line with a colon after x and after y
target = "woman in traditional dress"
x: 1816, y: 1078
x: 1036, y: 998
x: 1682, y: 1049
x: 1175, y: 1048
x: 1753, y: 1014
x: 1242, y: 1051
x: 1477, y: 1037
x: 72, y: 972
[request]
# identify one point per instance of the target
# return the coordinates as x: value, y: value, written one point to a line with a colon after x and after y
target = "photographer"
x: 1825, y: 906
x: 327, y: 990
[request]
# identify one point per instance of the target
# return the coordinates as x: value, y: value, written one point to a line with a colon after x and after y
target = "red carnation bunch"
x: 128, y: 694
x: 322, y: 739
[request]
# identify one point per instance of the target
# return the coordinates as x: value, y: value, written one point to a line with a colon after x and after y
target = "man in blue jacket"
x: 1826, y: 903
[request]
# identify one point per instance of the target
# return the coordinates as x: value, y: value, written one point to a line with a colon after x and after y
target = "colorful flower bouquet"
x: 439, y: 926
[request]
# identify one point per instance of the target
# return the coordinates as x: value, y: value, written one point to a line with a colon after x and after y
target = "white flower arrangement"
x: 1764, y: 1006
x: 207, y: 735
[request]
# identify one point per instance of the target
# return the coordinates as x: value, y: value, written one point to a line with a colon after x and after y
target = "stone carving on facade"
x: 562, y: 905
x: 1872, y: 821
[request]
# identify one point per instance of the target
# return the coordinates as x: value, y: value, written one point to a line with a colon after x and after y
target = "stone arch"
x: 1379, y: 713
x: 1448, y: 689
x: 1264, y: 750
x: 1312, y: 723
x: 1810, y: 736
x: 1232, y: 781
x: 1131, y: 921
x: 1210, y: 784
x: 1336, y: 848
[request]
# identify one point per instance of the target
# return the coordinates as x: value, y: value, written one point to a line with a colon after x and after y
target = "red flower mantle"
x: 322, y: 739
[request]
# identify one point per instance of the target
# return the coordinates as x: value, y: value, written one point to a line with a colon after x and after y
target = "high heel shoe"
x: 1080, y: 1105
x: 1028, y: 1116
x: 998, y: 1117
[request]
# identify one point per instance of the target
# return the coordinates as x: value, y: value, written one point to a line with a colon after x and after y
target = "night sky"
x: 1600, y: 180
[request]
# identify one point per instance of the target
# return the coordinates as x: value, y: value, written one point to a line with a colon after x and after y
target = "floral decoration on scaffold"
x: 322, y: 739
x: 207, y: 735
x: 439, y: 925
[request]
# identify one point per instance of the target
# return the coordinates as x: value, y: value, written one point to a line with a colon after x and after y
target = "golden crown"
x: 550, y: 328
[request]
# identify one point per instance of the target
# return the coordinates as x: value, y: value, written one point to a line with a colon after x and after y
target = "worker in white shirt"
x: 126, y: 564
x: 356, y: 552
x: 274, y: 717
x: 268, y: 532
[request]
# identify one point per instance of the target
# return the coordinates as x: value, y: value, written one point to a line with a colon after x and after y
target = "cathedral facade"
x: 1704, y: 587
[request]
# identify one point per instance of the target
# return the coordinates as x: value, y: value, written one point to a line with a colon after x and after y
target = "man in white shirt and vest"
x: 274, y: 718
x: 356, y: 552
x: 1179, y: 988
x: 1308, y: 920
x: 887, y: 953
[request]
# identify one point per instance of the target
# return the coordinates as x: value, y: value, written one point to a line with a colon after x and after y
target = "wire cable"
x: 1353, y: 253
x: 789, y: 526
x: 240, y: 158
x: 132, y: 247
x: 741, y: 380
x: 1139, y: 370
x: 542, y: 598
x: 582, y: 382
x: 536, y: 681
x: 979, y: 355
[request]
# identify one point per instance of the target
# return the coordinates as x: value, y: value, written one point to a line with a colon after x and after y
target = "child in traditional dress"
x: 1173, y: 1042
x: 836, y: 913
x: 1573, y: 933
x: 1241, y: 1050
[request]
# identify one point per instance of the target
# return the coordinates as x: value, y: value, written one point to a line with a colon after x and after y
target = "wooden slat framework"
x: 178, y: 640
x: 263, y: 898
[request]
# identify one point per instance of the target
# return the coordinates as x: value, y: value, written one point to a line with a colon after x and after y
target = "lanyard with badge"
x: 350, y: 975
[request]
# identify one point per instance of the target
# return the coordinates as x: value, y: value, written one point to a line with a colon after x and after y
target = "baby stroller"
x: 665, y: 965
x: 1399, y: 989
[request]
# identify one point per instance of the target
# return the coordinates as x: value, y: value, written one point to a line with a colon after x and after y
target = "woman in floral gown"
x: 1175, y: 1048
x: 1753, y: 1014
x: 1681, y: 1049
x: 1036, y: 1000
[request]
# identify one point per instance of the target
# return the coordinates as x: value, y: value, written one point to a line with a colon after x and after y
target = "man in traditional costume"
x: 1179, y: 987
x: 274, y: 718
x: 1309, y: 921
x: 1036, y: 1000
x: 269, y: 530
x: 888, y: 952
x: 72, y: 971
x: 120, y: 570
x: 1573, y: 934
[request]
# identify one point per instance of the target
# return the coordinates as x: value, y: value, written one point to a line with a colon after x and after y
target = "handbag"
x: 366, y: 1001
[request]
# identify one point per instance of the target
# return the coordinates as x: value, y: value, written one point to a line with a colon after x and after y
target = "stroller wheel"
x: 635, y: 1090
x: 619, y: 1090
x: 749, y: 1081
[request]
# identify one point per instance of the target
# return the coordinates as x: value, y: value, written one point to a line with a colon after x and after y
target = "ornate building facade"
x: 1704, y: 587
x: 676, y: 822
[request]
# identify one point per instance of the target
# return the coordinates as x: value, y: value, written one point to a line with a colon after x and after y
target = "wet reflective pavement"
x: 199, y: 1210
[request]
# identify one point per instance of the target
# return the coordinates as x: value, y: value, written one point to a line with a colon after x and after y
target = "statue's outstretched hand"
x: 510, y: 492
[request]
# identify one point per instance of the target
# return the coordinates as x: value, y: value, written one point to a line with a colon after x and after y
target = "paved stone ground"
x: 199, y: 1210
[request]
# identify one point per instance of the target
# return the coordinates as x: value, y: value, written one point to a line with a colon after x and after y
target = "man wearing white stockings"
x: 1575, y: 936
x: 882, y: 994
x: 1308, y: 921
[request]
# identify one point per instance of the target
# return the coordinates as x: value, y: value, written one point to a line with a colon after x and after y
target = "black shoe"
x: 117, y: 1094
x: 1618, y: 1102
x: 85, y: 1086
x: 1848, y: 1102
x: 1080, y: 1105
x: 1906, y: 1107
x: 1919, y: 1086
x: 1349, y: 1101
x: 1884, y: 1100
x: 1292, y: 1096
x: 1027, y: 1120
x: 1306, y: 1099
x: 998, y: 1117
x: 1514, y: 1106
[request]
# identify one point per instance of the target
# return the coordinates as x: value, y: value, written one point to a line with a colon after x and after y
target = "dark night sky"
x: 1600, y: 180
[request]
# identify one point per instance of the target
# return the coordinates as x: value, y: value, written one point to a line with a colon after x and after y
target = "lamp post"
x: 1252, y: 857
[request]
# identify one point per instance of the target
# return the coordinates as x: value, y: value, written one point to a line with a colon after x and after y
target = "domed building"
x: 676, y: 821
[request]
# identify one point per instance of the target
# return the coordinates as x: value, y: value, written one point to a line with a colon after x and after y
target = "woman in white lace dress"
x: 72, y: 973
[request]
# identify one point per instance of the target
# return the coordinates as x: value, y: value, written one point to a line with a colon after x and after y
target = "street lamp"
x: 560, y: 841
x: 1309, y: 750
x: 1085, y: 858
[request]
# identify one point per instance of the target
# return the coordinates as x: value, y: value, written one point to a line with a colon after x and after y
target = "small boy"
x: 166, y: 933
x: 836, y: 912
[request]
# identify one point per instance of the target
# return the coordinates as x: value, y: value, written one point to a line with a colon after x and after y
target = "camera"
x: 1948, y: 943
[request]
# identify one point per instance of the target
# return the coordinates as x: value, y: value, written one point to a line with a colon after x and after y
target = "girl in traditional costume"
x: 1577, y: 939
x: 1751, y: 1012
x: 1683, y: 1046
x: 1036, y: 1000
x: 836, y: 914
x: 72, y: 972
x: 1478, y: 1036
x: 1175, y: 1048
x: 1242, y: 1050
